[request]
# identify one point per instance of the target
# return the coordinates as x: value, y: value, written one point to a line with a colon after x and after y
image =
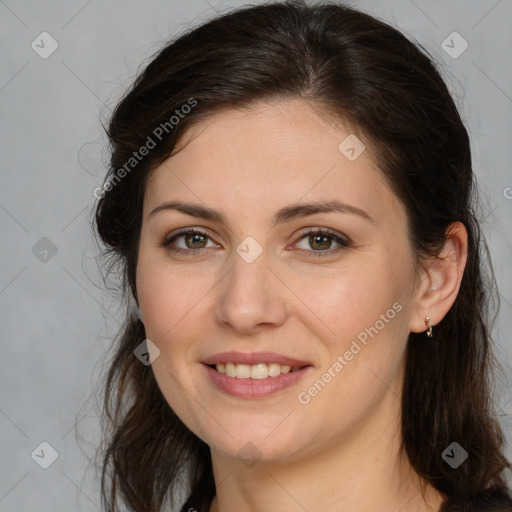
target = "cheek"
x: 364, y: 315
x: 168, y: 294
x: 349, y: 300
x: 170, y: 302
x: 362, y: 356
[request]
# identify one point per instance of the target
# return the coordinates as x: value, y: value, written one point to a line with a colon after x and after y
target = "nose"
x: 251, y: 296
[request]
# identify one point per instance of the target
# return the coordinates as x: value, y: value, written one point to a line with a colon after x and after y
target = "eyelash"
x: 343, y: 242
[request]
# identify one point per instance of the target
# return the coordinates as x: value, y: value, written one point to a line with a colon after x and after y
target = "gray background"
x: 57, y: 321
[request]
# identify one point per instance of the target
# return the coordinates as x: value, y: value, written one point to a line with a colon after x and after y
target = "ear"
x: 441, y: 280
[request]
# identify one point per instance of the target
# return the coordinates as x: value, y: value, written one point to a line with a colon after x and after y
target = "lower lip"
x: 255, y: 388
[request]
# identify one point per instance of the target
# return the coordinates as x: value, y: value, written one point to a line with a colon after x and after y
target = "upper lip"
x: 254, y: 358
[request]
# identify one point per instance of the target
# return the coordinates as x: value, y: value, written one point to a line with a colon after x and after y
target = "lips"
x: 249, y: 388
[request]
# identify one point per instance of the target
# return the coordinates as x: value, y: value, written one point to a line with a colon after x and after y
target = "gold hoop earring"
x: 429, y: 327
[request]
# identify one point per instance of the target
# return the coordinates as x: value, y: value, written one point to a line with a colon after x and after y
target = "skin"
x: 340, y: 451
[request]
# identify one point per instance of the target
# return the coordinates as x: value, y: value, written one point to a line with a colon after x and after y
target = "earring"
x: 429, y: 327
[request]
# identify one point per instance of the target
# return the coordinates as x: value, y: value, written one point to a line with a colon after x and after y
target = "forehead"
x: 269, y: 155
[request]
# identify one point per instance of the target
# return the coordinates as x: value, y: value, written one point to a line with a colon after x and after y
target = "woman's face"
x: 261, y: 278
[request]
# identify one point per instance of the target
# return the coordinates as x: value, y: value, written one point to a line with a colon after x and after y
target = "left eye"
x: 321, y: 242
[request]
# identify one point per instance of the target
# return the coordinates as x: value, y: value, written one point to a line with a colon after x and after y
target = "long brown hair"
x: 354, y: 68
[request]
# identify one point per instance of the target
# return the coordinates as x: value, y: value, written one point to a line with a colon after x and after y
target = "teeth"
x: 255, y: 371
x: 242, y: 371
x: 274, y: 369
x: 230, y: 370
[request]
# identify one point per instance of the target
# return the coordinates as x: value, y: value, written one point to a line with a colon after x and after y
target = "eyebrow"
x: 283, y: 215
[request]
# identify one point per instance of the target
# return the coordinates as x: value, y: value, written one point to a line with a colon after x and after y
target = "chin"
x: 259, y: 443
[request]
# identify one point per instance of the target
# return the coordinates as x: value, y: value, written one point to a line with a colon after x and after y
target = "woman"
x: 290, y: 200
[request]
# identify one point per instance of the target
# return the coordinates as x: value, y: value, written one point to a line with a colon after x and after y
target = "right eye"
x: 194, y: 241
